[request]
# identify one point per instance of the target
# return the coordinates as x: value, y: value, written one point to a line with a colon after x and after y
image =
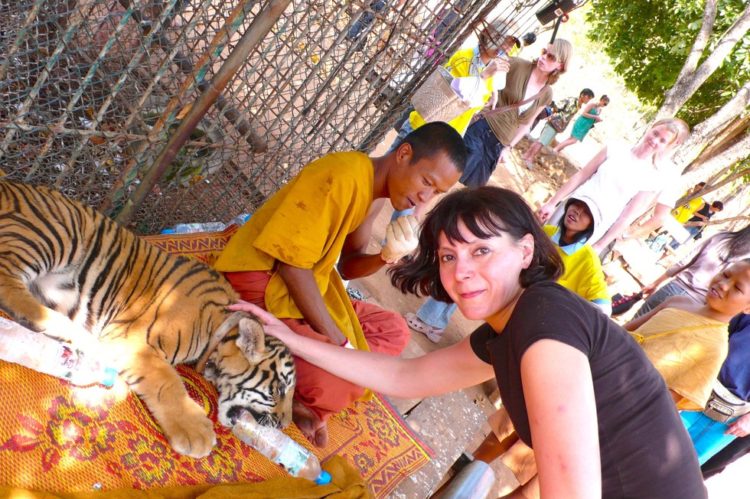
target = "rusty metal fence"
x: 167, y: 111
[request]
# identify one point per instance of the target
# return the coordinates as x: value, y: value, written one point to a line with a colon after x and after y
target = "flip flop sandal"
x: 433, y: 334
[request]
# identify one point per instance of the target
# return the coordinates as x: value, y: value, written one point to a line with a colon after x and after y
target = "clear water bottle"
x: 281, y: 449
x: 239, y: 220
x: 195, y: 227
x: 49, y: 356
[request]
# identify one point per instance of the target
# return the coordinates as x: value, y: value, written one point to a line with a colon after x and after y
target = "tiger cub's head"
x: 252, y: 372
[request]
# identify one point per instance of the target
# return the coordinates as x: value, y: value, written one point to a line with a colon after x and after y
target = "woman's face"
x: 548, y: 60
x: 658, y: 139
x: 729, y: 291
x: 482, y: 275
x: 577, y: 219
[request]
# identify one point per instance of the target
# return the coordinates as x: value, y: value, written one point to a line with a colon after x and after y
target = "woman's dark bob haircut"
x: 486, y: 212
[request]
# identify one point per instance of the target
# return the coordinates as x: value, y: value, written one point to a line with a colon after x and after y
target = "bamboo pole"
x: 255, y: 33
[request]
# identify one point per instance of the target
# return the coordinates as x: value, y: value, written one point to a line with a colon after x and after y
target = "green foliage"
x: 649, y: 40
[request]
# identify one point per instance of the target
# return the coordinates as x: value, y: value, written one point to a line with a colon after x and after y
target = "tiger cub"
x: 71, y: 273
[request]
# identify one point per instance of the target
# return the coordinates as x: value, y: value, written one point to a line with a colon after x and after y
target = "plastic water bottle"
x: 281, y: 449
x: 195, y: 227
x: 240, y: 220
x: 49, y: 356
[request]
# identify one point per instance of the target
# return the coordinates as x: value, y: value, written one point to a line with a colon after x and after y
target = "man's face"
x: 414, y: 183
x: 583, y: 99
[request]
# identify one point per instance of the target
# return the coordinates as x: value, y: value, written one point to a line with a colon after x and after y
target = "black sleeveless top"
x: 645, y: 450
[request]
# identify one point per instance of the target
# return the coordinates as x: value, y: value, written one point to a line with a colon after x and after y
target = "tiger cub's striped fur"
x: 71, y: 273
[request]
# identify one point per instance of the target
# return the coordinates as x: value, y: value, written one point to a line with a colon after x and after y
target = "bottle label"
x: 293, y: 458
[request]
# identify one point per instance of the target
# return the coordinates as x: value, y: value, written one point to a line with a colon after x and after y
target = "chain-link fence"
x: 166, y: 111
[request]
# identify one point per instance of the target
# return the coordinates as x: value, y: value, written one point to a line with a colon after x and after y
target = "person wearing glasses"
x: 527, y: 92
x: 590, y: 116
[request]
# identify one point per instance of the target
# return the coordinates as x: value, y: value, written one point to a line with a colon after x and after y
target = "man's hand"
x: 401, y: 238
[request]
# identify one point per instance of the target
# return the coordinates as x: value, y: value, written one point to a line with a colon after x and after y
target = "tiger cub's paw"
x: 189, y: 431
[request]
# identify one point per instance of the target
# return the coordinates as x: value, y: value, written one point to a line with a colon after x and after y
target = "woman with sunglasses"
x: 527, y: 92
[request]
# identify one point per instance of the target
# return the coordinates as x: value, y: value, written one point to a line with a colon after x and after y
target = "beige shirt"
x: 505, y: 124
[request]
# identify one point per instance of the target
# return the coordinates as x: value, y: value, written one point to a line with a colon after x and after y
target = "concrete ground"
x: 455, y: 423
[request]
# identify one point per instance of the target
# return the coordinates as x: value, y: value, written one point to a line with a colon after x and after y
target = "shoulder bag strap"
x: 515, y: 105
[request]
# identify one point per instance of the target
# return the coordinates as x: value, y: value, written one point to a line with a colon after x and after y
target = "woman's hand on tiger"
x: 271, y: 324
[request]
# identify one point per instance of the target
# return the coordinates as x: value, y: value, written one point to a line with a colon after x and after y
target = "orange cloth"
x: 688, y: 350
x: 320, y: 391
x: 345, y: 484
x: 305, y: 225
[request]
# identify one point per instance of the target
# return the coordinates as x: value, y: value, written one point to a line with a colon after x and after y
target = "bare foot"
x: 312, y: 427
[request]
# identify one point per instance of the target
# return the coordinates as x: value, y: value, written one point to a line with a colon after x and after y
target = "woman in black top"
x: 578, y: 389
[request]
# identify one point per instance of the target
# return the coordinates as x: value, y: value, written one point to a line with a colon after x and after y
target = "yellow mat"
x: 59, y: 438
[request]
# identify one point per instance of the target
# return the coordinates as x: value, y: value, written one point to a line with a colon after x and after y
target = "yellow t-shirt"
x: 687, y: 350
x: 583, y: 273
x: 684, y: 212
x: 304, y: 225
x: 459, y: 65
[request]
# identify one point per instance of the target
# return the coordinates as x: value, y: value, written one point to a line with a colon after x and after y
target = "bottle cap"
x: 324, y: 478
x: 110, y: 375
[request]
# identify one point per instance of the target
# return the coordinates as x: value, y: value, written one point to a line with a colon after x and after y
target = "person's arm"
x: 668, y: 274
x: 306, y: 295
x: 354, y: 261
x: 563, y: 420
x: 632, y: 210
x: 656, y: 220
x: 572, y: 184
x: 521, y: 131
x: 586, y: 112
x: 416, y: 377
x: 740, y: 427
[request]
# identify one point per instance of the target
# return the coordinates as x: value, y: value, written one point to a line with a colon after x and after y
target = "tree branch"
x: 701, y: 40
x: 738, y: 151
x: 688, y: 83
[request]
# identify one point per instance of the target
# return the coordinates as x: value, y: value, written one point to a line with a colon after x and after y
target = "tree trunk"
x: 737, y: 152
x: 691, y: 78
x: 706, y: 131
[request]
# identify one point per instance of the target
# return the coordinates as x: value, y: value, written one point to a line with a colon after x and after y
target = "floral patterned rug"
x: 57, y: 437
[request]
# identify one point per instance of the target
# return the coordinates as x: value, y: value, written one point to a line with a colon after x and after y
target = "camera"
x: 555, y: 9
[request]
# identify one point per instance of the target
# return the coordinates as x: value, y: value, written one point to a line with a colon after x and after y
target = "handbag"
x: 557, y: 122
x: 435, y: 99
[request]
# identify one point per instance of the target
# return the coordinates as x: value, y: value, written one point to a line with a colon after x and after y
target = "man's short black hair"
x: 587, y: 92
x: 718, y: 205
x: 434, y: 137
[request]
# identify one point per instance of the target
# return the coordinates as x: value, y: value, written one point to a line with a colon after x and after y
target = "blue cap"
x: 324, y: 478
x: 110, y: 375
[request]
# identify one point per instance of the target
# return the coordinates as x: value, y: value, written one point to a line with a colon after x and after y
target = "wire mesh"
x: 91, y: 92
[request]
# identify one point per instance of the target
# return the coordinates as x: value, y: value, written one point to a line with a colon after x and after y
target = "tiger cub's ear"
x: 252, y: 339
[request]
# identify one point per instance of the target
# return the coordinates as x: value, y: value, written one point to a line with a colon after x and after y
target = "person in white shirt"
x: 624, y: 181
